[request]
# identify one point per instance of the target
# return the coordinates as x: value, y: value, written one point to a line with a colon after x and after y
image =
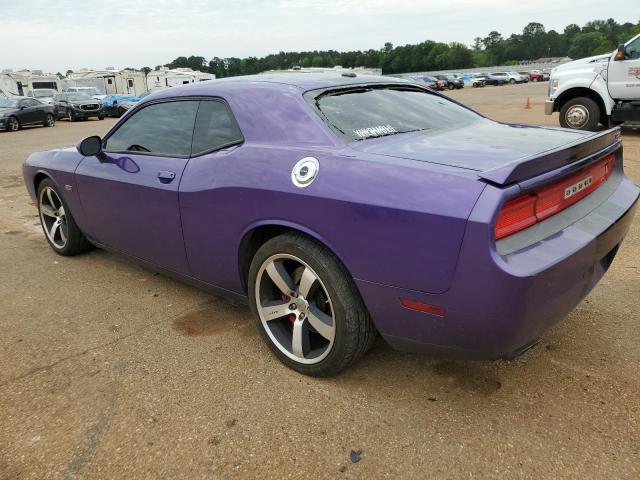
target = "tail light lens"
x: 526, y: 210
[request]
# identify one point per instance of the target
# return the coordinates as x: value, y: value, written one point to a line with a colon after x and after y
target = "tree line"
x: 595, y: 37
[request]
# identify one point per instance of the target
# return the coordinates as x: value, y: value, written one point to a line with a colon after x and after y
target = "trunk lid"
x: 499, y: 153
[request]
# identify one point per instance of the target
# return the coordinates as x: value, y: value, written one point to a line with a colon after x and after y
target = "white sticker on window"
x: 374, y: 131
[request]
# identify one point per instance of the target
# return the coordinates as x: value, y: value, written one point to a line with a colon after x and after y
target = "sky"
x: 55, y: 36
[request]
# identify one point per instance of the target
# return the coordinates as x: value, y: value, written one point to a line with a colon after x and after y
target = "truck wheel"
x: 580, y: 113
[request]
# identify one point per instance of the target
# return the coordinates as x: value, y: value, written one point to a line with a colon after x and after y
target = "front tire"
x: 50, y: 121
x: 512, y: 81
x: 13, y: 124
x: 307, y: 307
x: 59, y: 227
x: 580, y: 113
x: 70, y: 116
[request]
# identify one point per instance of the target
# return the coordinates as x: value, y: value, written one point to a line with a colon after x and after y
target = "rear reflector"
x: 422, y: 307
x: 524, y: 211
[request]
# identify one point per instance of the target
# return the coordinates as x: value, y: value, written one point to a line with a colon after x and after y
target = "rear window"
x: 359, y: 113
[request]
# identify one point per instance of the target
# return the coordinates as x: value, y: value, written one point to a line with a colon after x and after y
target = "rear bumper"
x: 499, y: 304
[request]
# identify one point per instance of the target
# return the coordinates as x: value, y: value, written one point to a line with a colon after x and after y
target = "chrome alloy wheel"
x: 13, y: 124
x: 53, y: 217
x: 295, y: 308
x: 577, y: 116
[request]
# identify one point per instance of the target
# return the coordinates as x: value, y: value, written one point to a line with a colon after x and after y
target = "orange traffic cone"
x: 527, y: 104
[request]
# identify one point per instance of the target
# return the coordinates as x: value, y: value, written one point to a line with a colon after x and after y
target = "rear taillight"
x: 522, y: 212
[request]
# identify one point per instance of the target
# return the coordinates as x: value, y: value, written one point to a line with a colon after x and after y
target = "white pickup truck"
x: 602, y: 89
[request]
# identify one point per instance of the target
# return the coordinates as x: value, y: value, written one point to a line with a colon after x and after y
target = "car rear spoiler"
x: 581, y: 150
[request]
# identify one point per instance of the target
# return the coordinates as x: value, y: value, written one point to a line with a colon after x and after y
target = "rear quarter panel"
x: 395, y: 222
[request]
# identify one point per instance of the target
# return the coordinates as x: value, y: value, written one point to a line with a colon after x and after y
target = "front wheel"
x: 307, y: 307
x: 580, y: 113
x: 70, y: 116
x: 100, y: 117
x: 13, y: 125
x: 512, y: 81
x: 59, y: 226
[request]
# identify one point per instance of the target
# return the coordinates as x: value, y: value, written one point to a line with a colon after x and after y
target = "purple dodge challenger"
x: 343, y: 206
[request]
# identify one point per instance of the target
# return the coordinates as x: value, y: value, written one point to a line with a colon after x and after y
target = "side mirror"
x: 90, y: 146
x: 620, y: 52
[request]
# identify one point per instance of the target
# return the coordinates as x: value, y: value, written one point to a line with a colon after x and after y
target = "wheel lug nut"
x: 301, y: 316
x: 293, y: 306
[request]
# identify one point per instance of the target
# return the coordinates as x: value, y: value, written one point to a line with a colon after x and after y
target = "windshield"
x: 359, y: 113
x: 44, y: 93
x: 78, y: 96
x: 8, y: 102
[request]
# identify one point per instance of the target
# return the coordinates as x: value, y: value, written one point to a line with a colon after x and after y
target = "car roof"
x: 303, y: 81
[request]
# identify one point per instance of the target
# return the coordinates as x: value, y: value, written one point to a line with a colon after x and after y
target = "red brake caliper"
x: 292, y: 316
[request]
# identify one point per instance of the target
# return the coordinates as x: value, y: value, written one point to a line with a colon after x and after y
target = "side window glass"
x: 633, y: 50
x: 215, y: 127
x: 161, y: 128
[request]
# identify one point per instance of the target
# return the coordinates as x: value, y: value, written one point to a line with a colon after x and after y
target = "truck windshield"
x: 362, y: 112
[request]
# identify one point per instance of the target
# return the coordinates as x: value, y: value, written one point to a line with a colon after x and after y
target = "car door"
x: 59, y: 105
x: 129, y: 192
x: 40, y: 113
x: 215, y: 140
x: 624, y: 74
x: 28, y: 111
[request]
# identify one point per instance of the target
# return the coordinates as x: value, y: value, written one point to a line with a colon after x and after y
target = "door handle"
x: 166, y: 176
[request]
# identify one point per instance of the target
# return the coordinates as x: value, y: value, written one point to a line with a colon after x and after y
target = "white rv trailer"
x: 24, y: 82
x: 109, y: 81
x: 336, y: 69
x: 165, y: 77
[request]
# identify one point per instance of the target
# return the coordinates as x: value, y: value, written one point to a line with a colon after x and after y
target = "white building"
x: 24, y: 82
x: 110, y: 80
x: 165, y: 77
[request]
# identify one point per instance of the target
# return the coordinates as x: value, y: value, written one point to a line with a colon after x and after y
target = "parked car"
x: 510, y: 77
x: 494, y: 79
x: 45, y: 95
x: 451, y: 81
x: 115, y: 105
x: 432, y: 82
x: 471, y: 80
x: 342, y: 207
x: 533, y: 75
x: 76, y: 106
x: 18, y: 112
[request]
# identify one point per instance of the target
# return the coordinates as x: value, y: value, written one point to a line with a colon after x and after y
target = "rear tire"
x: 348, y: 330
x: 58, y: 225
x: 580, y: 113
x: 50, y: 120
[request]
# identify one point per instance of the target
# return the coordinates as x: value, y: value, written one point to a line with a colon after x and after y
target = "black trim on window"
x: 137, y: 108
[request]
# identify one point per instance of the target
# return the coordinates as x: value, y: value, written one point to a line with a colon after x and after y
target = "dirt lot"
x: 111, y: 371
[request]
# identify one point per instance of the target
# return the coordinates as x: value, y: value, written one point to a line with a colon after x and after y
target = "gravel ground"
x: 112, y: 371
